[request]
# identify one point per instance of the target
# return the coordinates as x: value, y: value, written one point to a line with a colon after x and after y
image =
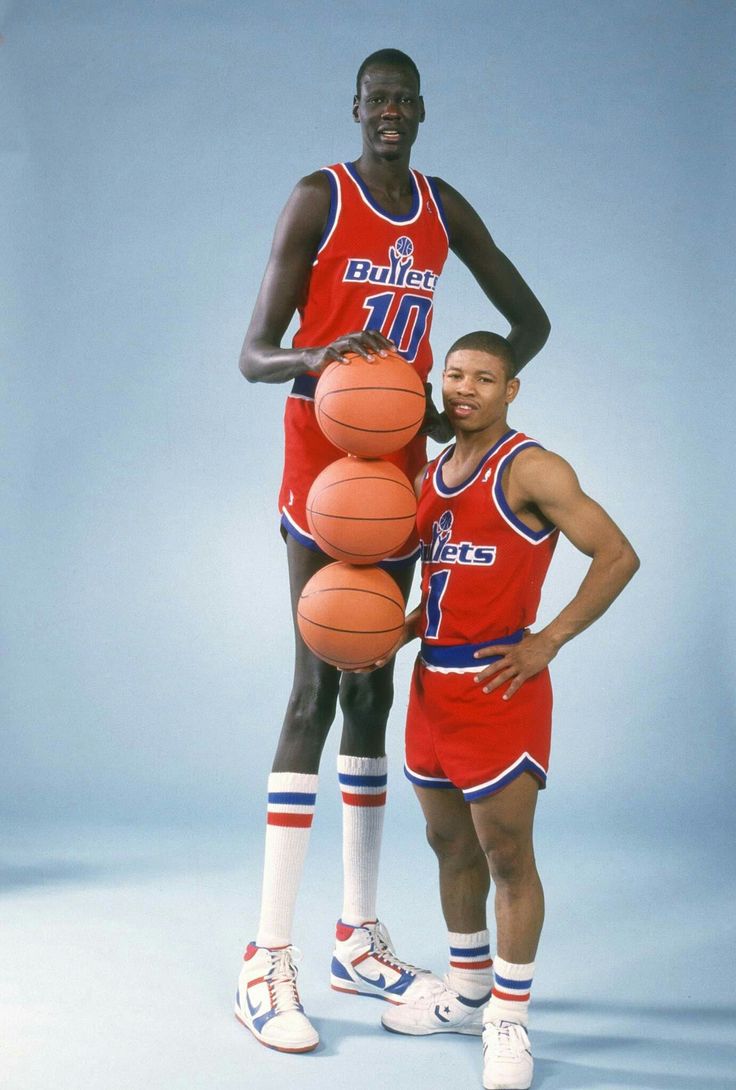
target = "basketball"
x: 370, y: 409
x: 361, y: 511
x: 350, y: 616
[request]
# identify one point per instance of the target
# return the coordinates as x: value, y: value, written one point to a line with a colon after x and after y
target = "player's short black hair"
x: 393, y: 57
x: 493, y: 344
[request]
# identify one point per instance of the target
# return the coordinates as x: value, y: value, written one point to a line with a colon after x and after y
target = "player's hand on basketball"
x: 436, y: 424
x: 516, y: 663
x: 409, y: 633
x: 368, y: 343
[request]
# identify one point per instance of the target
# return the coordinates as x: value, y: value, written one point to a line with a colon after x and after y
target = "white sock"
x: 511, y: 992
x: 291, y: 802
x: 363, y: 785
x: 471, y: 968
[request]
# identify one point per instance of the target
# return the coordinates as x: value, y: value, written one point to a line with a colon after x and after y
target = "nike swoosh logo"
x: 379, y: 982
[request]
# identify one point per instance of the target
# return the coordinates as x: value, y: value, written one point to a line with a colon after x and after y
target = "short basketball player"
x: 490, y: 510
x: 357, y: 251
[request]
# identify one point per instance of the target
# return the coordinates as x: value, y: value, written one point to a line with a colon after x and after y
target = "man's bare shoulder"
x: 541, y: 474
x: 307, y: 208
x: 316, y: 182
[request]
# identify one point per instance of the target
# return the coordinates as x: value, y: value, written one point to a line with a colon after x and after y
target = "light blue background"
x: 145, y: 152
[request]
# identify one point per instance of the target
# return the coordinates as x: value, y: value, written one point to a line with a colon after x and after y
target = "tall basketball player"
x: 357, y: 252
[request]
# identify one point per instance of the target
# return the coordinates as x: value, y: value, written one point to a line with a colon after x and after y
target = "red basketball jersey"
x: 482, y: 567
x: 374, y: 270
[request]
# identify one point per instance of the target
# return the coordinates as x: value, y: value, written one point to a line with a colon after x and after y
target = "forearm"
x: 264, y: 362
x: 528, y: 336
x: 606, y: 578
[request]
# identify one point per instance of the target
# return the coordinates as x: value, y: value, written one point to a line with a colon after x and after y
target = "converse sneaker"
x: 364, y: 963
x: 267, y: 1002
x: 434, y: 1007
x: 507, y: 1057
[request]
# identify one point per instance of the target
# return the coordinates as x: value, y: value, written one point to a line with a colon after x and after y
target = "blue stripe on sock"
x: 469, y: 951
x: 362, y: 781
x: 294, y: 798
x: 522, y: 985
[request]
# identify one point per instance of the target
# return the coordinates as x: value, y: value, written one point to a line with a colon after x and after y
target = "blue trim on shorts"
x: 427, y: 781
x: 304, y: 386
x: 460, y: 655
x: 527, y: 765
x: 290, y: 528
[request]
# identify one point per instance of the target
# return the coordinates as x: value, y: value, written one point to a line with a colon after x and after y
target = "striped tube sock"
x: 471, y: 968
x: 291, y: 801
x: 511, y: 992
x: 363, y: 784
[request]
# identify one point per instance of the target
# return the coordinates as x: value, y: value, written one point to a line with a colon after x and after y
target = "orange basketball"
x: 350, y: 616
x: 370, y: 409
x: 361, y: 511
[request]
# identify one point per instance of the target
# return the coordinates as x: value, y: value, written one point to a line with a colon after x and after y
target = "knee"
x: 456, y: 849
x: 509, y: 858
x: 366, y: 699
x: 311, y: 709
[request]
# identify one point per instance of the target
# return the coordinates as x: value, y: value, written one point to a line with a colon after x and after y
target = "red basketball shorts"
x: 459, y: 736
x: 307, y: 452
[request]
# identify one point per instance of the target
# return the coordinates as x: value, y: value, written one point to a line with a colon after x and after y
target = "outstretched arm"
x: 497, y: 276
x: 284, y: 289
x: 546, y: 483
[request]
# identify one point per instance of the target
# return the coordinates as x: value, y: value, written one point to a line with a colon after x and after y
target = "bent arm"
x: 284, y: 289
x: 284, y: 286
x: 549, y: 483
x: 498, y: 278
x: 545, y: 483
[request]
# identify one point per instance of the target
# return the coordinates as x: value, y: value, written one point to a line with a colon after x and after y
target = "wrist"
x: 554, y: 638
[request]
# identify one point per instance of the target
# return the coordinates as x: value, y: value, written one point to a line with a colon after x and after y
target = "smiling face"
x: 476, y: 390
x: 389, y: 110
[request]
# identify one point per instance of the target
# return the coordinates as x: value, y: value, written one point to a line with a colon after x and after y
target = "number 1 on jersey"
x: 436, y: 587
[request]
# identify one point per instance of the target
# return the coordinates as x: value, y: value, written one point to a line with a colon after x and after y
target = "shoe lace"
x: 382, y: 945
x: 427, y: 993
x: 281, y: 979
x: 507, y: 1041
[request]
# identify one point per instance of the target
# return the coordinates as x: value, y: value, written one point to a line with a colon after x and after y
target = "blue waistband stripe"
x: 461, y: 654
x: 304, y: 386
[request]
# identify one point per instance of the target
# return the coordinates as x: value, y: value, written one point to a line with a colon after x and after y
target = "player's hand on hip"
x: 515, y: 664
x: 368, y: 343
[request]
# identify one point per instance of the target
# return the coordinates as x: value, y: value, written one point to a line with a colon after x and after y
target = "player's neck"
x: 389, y: 180
x: 470, y: 447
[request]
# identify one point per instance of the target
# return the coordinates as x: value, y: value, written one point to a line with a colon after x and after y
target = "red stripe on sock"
x: 509, y: 997
x: 471, y: 964
x: 364, y: 800
x: 292, y: 821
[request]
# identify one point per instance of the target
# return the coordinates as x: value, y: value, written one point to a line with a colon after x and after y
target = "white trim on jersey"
x: 375, y: 208
x: 449, y: 493
x: 534, y: 537
x: 435, y: 201
x: 338, y: 210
